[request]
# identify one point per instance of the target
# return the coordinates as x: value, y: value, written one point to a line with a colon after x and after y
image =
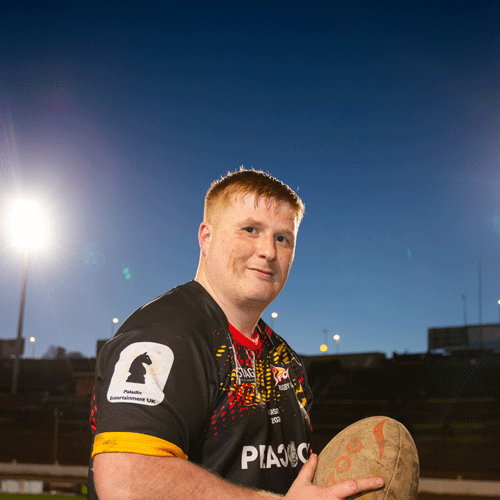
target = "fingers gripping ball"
x: 374, y: 446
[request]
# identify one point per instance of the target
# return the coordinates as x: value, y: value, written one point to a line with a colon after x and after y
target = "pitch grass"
x: 16, y: 496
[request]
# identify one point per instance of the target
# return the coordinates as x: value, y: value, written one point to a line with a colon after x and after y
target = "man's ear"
x: 204, y: 236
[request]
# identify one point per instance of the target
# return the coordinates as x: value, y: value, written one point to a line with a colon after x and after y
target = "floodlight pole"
x: 15, y: 372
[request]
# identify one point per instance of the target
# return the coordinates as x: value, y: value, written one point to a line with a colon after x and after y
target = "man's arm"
x: 130, y: 476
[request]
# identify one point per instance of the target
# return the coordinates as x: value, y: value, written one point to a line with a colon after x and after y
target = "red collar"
x: 252, y: 344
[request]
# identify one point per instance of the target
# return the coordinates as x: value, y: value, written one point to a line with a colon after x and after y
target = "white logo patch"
x: 141, y: 374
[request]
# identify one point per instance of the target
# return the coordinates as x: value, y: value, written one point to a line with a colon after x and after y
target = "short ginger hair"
x: 246, y: 182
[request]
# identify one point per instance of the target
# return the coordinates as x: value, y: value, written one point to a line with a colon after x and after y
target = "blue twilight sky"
x: 385, y: 116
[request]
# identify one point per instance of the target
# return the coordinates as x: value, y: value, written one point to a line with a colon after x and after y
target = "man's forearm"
x: 127, y: 476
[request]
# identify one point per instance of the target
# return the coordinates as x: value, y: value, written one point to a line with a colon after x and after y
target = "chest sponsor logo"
x: 269, y: 457
x: 246, y: 375
x: 140, y: 374
x: 281, y: 377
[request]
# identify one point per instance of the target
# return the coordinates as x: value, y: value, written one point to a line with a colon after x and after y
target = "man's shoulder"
x: 188, y: 302
x: 187, y: 311
x: 279, y: 344
x: 190, y: 295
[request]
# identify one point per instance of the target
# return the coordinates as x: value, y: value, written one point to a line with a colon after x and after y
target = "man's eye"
x: 250, y: 230
x: 281, y: 239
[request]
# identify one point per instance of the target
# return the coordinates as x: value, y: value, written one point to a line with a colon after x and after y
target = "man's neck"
x: 246, y: 326
x: 244, y: 319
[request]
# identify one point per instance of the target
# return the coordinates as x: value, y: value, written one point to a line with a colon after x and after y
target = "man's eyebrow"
x: 250, y: 222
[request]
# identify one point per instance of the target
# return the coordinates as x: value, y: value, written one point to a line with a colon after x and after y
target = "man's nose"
x: 267, y: 247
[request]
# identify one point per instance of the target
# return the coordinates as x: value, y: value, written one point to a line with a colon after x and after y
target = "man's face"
x: 249, y: 250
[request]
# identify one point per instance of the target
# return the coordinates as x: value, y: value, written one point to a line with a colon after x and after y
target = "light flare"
x: 27, y: 225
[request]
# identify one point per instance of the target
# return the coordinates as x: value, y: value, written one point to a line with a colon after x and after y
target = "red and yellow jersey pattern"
x: 257, y: 377
x: 178, y: 380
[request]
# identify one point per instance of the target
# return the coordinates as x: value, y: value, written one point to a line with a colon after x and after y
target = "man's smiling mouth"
x: 262, y: 272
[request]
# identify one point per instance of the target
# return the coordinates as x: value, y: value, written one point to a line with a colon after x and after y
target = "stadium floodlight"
x: 28, y: 229
x: 274, y: 315
x: 27, y: 225
x: 336, y: 337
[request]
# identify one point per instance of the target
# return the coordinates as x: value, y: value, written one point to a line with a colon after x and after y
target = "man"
x: 196, y: 397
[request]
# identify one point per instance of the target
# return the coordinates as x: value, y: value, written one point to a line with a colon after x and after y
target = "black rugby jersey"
x: 177, y: 380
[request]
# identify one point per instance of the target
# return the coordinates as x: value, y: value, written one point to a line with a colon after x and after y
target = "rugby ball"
x: 374, y: 446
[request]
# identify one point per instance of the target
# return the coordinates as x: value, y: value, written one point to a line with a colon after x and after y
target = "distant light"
x: 115, y: 320
x: 126, y: 273
x: 32, y: 339
x: 323, y: 348
x: 27, y: 225
x: 336, y: 337
x: 499, y: 302
x: 274, y: 315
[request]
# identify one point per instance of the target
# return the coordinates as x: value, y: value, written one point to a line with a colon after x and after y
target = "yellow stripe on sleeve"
x: 133, y: 442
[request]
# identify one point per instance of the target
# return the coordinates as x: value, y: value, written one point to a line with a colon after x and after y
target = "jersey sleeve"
x: 154, y: 389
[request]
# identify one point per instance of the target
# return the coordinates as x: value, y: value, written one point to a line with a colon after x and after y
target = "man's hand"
x: 302, y: 488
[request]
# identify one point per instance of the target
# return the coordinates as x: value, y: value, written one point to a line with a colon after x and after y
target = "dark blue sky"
x: 384, y: 116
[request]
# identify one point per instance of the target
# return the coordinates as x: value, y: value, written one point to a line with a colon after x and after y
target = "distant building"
x: 8, y: 348
x: 464, y: 337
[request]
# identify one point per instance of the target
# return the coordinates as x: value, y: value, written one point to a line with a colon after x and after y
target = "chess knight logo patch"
x: 140, y: 374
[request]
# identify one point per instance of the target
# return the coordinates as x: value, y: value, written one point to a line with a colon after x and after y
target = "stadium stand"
x: 449, y: 402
